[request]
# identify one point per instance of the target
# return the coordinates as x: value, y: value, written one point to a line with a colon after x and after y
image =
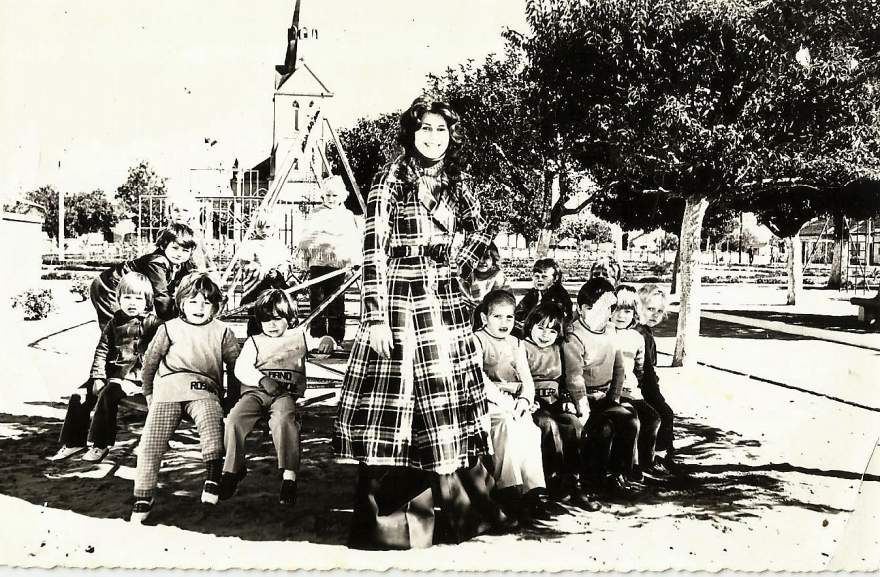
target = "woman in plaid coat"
x: 413, y: 394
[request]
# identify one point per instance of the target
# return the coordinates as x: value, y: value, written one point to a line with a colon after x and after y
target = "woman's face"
x: 432, y: 139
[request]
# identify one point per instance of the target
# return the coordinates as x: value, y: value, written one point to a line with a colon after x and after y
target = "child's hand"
x: 97, y: 386
x: 270, y: 385
x: 583, y: 407
x: 568, y: 407
x: 521, y: 407
x: 326, y: 345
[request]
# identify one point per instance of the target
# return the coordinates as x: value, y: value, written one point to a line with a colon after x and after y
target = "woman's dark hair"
x: 593, y: 289
x: 543, y: 264
x: 547, y: 310
x: 176, y: 232
x: 275, y: 303
x: 411, y: 121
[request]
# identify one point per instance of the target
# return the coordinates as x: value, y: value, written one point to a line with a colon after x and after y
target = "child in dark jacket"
x: 653, y: 310
x: 116, y: 372
x: 546, y: 286
x: 163, y: 267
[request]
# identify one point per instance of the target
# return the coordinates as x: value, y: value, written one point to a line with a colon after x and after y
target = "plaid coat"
x: 422, y: 408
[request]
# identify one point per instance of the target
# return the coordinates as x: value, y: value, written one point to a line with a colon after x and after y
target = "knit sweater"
x: 505, y: 367
x: 593, y: 364
x: 184, y: 362
x: 120, y: 350
x: 534, y: 297
x: 282, y: 358
x: 545, y: 364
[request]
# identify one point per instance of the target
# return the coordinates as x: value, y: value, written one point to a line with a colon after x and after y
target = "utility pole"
x: 740, y: 243
x: 60, y: 219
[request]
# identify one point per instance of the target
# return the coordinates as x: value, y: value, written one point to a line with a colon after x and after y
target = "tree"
x: 369, y: 144
x: 584, y: 227
x: 142, y: 180
x: 84, y: 212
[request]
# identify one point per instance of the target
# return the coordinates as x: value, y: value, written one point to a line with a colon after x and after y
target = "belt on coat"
x: 438, y: 252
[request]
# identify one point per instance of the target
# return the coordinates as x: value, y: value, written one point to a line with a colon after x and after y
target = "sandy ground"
x: 774, y: 462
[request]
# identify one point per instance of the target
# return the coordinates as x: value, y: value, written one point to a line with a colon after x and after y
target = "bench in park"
x: 869, y: 310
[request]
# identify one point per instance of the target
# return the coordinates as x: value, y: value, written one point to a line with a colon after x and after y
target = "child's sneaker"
x: 288, y: 492
x: 211, y: 493
x: 95, y: 454
x: 66, y: 452
x: 141, y: 510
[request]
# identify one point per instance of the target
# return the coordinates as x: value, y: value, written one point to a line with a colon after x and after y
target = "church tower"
x: 298, y: 102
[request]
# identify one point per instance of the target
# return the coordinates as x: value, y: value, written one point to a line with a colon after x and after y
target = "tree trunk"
x: 840, y: 255
x: 795, y: 267
x: 689, y: 309
x: 542, y: 245
x: 617, y: 239
x: 676, y: 262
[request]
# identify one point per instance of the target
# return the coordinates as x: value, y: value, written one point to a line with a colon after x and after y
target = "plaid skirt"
x: 424, y: 407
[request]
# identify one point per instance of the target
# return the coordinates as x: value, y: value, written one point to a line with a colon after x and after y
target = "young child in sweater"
x: 560, y: 428
x: 653, y: 310
x: 624, y: 319
x: 183, y: 371
x: 546, y: 286
x: 272, y: 371
x: 519, y: 473
x: 594, y: 373
x: 116, y: 372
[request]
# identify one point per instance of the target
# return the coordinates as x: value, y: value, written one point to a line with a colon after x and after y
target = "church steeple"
x: 286, y: 69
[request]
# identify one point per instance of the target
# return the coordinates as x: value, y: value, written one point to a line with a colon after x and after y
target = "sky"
x: 90, y: 87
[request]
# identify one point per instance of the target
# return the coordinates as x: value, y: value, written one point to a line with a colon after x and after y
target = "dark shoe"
x: 502, y: 524
x: 141, y: 510
x: 635, y: 476
x: 288, y: 492
x: 580, y: 500
x: 658, y: 471
x: 229, y: 483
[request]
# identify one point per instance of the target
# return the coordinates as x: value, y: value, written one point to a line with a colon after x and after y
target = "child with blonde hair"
x: 654, y: 302
x: 183, y: 371
x: 632, y: 346
x: 116, y: 372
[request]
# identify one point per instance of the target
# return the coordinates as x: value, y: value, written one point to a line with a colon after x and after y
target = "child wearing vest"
x: 183, y: 371
x: 594, y: 374
x: 516, y: 440
x: 116, y: 372
x: 272, y: 371
x: 631, y: 344
x: 560, y: 428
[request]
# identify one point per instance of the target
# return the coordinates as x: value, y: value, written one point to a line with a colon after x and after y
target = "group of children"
x: 574, y: 400
x: 179, y: 366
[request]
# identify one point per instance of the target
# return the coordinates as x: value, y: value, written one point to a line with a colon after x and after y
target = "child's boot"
x: 288, y: 488
x: 229, y: 483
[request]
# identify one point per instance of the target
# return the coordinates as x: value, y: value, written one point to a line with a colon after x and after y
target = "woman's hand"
x: 380, y: 340
x: 522, y: 407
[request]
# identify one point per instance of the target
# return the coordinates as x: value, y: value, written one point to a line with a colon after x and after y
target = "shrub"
x: 35, y: 304
x: 81, y: 287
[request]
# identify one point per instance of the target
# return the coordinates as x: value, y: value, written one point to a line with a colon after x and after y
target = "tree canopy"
x: 84, y: 212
